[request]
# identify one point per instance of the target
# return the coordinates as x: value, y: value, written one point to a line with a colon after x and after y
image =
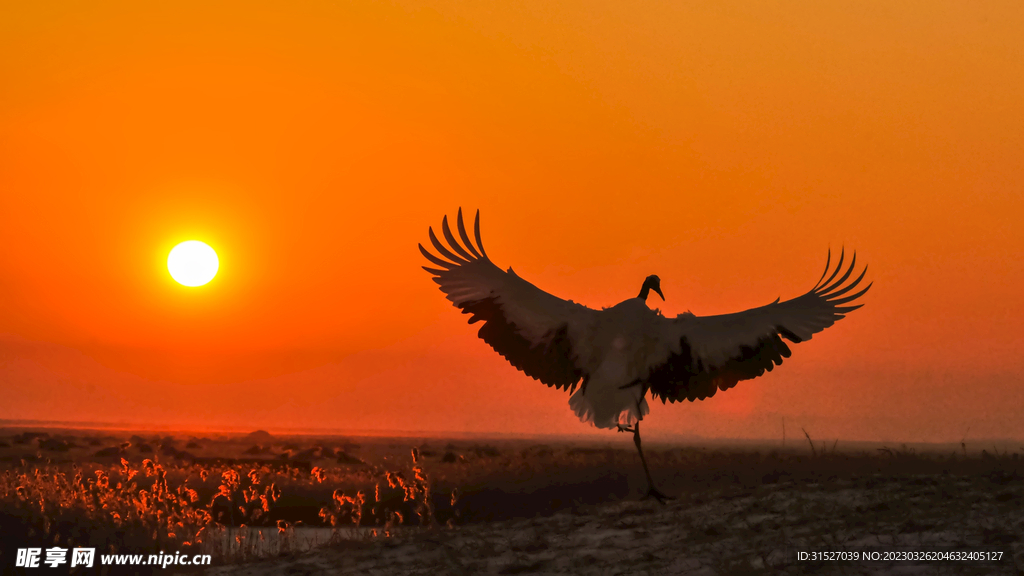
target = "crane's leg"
x: 652, y: 492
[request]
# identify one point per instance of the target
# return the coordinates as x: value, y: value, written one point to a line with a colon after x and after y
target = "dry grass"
x: 115, y: 500
x: 504, y: 500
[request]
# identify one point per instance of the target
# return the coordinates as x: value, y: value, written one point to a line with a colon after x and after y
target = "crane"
x: 610, y: 359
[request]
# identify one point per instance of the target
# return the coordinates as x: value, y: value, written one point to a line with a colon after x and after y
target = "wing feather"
x: 464, y: 236
x: 711, y: 353
x: 839, y: 267
x: 435, y: 259
x: 444, y: 251
x: 451, y: 240
x: 538, y: 333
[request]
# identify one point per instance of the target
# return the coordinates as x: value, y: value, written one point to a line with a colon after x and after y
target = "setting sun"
x: 192, y: 263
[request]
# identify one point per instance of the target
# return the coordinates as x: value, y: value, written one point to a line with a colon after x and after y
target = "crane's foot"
x: 657, y: 495
x: 625, y: 428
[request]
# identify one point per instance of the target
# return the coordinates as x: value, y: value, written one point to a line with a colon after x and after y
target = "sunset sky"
x: 723, y: 146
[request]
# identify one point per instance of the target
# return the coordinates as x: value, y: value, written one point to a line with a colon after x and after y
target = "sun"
x: 192, y: 263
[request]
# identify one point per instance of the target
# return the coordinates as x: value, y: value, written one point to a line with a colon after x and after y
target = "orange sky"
x: 724, y: 148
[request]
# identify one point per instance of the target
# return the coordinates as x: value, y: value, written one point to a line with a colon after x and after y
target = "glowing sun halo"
x: 192, y: 263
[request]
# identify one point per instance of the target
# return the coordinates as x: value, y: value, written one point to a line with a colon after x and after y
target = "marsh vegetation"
x: 259, y: 502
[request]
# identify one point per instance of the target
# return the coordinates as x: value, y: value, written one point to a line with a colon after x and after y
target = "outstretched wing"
x: 711, y: 353
x: 538, y: 333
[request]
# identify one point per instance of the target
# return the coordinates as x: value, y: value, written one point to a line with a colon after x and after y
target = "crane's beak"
x: 658, y: 290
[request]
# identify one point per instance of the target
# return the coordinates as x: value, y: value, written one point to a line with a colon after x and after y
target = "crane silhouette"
x: 610, y: 359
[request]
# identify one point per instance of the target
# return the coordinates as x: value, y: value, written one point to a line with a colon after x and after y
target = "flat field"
x: 263, y: 504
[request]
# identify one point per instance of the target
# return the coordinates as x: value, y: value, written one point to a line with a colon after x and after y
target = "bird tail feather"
x: 619, y: 408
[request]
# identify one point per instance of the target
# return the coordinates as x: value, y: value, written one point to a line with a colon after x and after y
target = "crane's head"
x: 651, y: 283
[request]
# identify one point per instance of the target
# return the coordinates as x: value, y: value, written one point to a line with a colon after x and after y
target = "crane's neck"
x: 644, y: 292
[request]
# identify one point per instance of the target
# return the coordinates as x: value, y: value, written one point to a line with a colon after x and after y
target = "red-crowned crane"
x: 610, y: 359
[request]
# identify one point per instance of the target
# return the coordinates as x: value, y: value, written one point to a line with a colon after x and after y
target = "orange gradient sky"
x: 723, y: 147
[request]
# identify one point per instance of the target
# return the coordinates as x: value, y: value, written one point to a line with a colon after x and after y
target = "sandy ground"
x: 728, y: 530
